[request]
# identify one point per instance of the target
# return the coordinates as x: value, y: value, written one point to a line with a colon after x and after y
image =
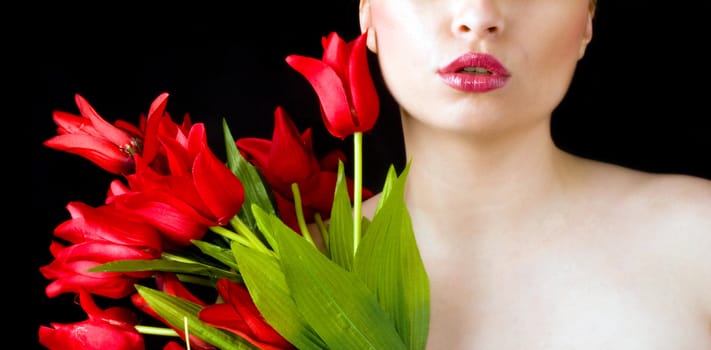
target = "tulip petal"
x: 69, y: 123
x: 289, y: 157
x: 99, y: 151
x: 112, y: 328
x: 331, y: 93
x: 219, y: 188
x: 255, y: 150
x: 336, y: 53
x: 364, y: 96
x: 155, y: 116
x: 105, y: 128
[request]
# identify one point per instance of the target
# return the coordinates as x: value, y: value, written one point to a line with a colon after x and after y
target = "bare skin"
x: 575, y: 254
x: 526, y: 246
x: 608, y: 258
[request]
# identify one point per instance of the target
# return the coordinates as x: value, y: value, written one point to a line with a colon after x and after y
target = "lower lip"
x: 468, y: 82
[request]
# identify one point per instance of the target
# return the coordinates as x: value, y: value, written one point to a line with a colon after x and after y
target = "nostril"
x: 477, y: 30
x: 464, y: 29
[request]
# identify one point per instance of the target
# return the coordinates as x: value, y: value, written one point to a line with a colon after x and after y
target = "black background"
x: 640, y: 97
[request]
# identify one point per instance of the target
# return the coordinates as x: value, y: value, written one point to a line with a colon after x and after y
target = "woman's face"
x: 537, y: 43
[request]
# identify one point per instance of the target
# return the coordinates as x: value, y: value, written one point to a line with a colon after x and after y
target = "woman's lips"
x: 475, y: 72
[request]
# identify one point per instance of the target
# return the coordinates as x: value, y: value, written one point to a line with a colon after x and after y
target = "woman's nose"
x: 477, y: 19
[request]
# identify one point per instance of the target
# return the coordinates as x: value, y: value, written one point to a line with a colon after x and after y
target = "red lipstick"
x: 475, y: 72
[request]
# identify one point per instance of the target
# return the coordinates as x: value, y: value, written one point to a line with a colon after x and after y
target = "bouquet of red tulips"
x: 267, y: 249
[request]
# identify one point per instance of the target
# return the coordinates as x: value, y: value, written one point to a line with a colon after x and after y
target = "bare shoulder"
x: 684, y: 201
x: 675, y: 215
x: 672, y: 198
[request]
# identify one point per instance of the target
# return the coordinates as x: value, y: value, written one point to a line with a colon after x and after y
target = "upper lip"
x: 474, y: 60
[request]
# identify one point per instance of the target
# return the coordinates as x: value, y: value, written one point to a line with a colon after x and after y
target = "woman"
x: 527, y: 246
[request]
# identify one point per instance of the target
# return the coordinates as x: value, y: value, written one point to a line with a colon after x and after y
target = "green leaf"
x: 389, y: 262
x: 166, y: 266
x: 334, y: 301
x: 267, y: 226
x: 340, y: 226
x: 390, y: 181
x: 266, y: 284
x: 256, y: 191
x: 219, y: 253
x: 174, y: 309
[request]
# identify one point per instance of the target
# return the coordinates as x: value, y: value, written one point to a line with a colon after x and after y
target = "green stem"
x: 173, y: 257
x: 187, y: 332
x: 357, y: 187
x: 323, y: 230
x: 245, y: 231
x: 156, y: 331
x: 233, y: 236
x: 300, y: 214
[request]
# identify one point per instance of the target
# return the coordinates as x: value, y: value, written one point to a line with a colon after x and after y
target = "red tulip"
x: 342, y: 80
x: 239, y: 315
x: 69, y: 269
x: 109, y: 224
x: 110, y: 329
x: 112, y: 146
x: 92, y: 137
x: 289, y: 158
x: 198, y: 191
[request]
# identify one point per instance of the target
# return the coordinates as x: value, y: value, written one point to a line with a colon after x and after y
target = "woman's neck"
x: 460, y: 179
